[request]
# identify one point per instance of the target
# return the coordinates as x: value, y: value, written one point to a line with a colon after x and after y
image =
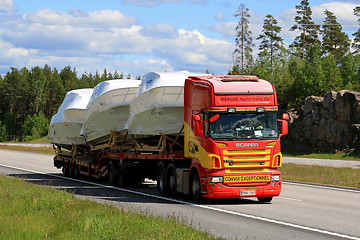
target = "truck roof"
x: 237, y: 84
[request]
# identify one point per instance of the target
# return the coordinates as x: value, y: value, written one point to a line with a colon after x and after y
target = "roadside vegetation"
x: 37, y: 212
x: 344, y: 177
x: 336, y: 156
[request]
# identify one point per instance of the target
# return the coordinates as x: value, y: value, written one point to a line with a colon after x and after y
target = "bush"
x: 2, y: 132
x: 34, y: 127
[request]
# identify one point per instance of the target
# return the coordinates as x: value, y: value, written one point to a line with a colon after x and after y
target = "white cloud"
x: 342, y: 10
x: 94, y: 41
x: 220, y: 17
x: 157, y: 2
x: 160, y: 31
x: 6, y: 5
x: 103, y: 18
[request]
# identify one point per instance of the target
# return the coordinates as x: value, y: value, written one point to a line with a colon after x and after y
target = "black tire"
x: 112, y: 174
x: 161, y: 181
x: 71, y: 170
x: 65, y: 170
x: 122, y: 176
x: 76, y: 171
x: 264, y: 199
x: 171, y: 179
x: 195, y: 188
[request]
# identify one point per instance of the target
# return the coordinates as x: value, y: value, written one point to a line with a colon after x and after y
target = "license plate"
x: 247, y: 193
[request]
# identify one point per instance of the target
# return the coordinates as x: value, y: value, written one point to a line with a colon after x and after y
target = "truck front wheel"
x: 196, y: 188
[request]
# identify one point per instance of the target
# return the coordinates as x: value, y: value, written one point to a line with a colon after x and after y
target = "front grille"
x: 247, y: 159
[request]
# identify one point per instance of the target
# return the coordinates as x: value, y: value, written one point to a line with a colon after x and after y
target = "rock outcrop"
x: 325, y: 124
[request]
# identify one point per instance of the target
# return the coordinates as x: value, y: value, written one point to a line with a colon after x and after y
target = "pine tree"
x: 356, y: 42
x: 309, y: 30
x: 334, y: 41
x: 243, y: 40
x: 271, y: 41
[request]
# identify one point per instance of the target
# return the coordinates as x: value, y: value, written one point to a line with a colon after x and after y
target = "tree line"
x: 29, y: 98
x: 320, y: 59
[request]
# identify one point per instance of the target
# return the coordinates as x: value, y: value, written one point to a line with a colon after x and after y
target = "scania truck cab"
x: 232, y: 136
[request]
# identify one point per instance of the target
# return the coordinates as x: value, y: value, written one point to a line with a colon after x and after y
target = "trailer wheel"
x: 112, y: 174
x: 76, y: 171
x: 65, y: 170
x: 122, y: 176
x: 171, y: 179
x: 161, y: 180
x: 196, y: 187
x: 71, y: 170
x: 264, y: 199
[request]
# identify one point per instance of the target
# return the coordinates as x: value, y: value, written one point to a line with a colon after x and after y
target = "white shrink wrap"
x: 159, y: 104
x: 65, y: 125
x: 108, y: 109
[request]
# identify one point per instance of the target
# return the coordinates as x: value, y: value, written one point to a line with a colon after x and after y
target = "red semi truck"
x: 229, y: 146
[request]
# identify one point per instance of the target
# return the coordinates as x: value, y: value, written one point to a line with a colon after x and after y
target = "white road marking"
x: 292, y: 199
x: 199, y: 206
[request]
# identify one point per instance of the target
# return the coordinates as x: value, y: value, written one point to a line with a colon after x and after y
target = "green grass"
x: 44, y: 150
x: 36, y: 212
x: 345, y: 177
x: 39, y: 140
x: 336, y: 156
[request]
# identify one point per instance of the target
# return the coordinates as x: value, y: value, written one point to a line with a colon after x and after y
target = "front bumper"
x: 220, y: 190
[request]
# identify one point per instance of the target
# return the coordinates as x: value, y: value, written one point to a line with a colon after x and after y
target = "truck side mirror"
x: 285, y: 116
x: 284, y: 127
x: 198, y: 125
x: 214, y: 118
x: 197, y: 118
x: 285, y: 124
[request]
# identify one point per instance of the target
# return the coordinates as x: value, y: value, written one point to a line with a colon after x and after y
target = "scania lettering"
x: 229, y: 146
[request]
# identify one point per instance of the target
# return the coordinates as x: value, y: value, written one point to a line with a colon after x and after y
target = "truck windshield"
x: 235, y: 126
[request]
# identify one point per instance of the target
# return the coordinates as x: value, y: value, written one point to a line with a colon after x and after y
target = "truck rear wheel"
x: 122, y: 176
x: 171, y: 179
x: 161, y: 180
x: 65, y: 170
x: 71, y: 170
x: 112, y: 174
x: 195, y: 188
x: 76, y: 171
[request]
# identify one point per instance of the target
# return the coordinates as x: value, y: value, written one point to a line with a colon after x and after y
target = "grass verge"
x: 336, y: 156
x: 345, y: 177
x: 45, y: 150
x: 35, y: 212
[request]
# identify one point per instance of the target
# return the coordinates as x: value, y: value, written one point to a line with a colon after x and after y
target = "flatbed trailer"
x: 229, y: 146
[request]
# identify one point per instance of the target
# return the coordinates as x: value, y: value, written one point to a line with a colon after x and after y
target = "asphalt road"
x: 300, y: 212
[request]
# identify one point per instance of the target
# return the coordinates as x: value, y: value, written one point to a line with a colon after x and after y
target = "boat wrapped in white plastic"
x: 65, y: 125
x: 108, y: 109
x: 159, y: 104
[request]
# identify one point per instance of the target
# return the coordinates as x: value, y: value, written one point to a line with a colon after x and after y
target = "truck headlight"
x: 215, y: 179
x: 275, y: 178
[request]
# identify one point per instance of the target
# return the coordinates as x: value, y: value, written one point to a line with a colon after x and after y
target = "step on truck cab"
x: 232, y: 137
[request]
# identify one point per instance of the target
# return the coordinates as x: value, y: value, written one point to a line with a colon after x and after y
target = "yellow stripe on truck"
x: 247, y: 178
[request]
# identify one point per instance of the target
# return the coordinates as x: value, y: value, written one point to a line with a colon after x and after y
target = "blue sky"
x: 138, y: 36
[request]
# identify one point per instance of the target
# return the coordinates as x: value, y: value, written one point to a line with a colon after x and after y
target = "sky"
x: 139, y: 36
